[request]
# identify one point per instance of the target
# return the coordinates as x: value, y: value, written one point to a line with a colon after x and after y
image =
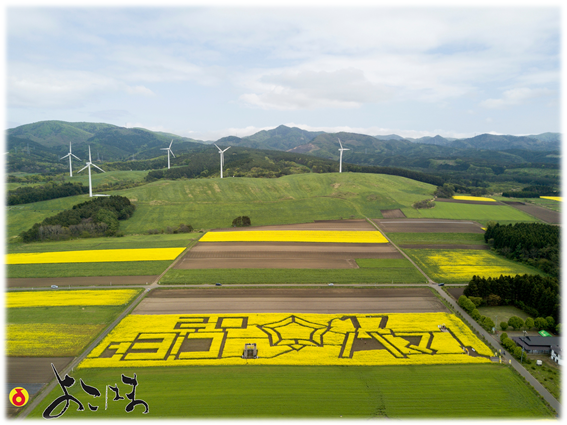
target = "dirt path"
x: 37, y: 282
x: 549, y: 216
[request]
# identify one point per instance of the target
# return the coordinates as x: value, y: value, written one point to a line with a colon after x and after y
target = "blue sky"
x: 206, y: 73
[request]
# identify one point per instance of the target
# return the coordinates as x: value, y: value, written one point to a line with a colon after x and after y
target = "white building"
x: 556, y: 354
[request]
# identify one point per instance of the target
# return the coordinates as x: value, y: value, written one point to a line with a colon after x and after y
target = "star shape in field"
x: 295, y: 332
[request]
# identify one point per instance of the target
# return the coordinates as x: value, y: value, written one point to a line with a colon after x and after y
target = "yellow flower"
x: 48, y: 340
x: 553, y: 198
x: 67, y: 298
x: 95, y: 256
x: 296, y: 236
x: 473, y: 198
x: 288, y: 338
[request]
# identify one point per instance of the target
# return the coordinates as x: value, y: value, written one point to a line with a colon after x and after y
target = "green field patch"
x: 265, y: 276
x: 89, y: 315
x: 292, y: 392
x: 296, y: 198
x: 125, y: 268
x: 502, y: 313
x: 384, y: 262
x: 480, y: 213
x: 127, y: 242
x: 437, y: 238
x: 460, y: 265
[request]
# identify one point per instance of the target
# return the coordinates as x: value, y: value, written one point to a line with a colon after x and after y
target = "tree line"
x: 536, y: 244
x: 51, y: 190
x: 96, y: 217
x: 536, y: 295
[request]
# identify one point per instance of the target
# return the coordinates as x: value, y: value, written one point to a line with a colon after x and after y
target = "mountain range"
x: 48, y: 141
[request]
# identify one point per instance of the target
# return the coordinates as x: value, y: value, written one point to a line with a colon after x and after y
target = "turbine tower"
x: 90, y: 181
x: 168, y: 152
x: 70, y: 154
x: 341, y: 160
x: 221, y: 157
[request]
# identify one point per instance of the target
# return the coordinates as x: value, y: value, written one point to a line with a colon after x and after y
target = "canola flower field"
x: 69, y: 298
x: 296, y: 236
x: 288, y: 339
x: 48, y: 339
x: 460, y: 265
x: 553, y: 198
x: 473, y: 198
x: 95, y: 256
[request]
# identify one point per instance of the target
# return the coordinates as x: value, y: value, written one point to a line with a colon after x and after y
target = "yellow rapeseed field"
x: 95, y: 256
x: 553, y: 198
x: 463, y: 264
x: 473, y: 198
x: 68, y: 298
x: 48, y: 340
x: 287, y: 338
x: 296, y: 236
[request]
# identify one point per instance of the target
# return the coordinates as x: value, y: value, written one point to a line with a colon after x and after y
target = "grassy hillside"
x: 214, y: 203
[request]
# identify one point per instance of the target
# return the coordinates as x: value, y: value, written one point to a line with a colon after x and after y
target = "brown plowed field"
x: 551, y: 217
x: 428, y: 226
x: 293, y: 255
x: 290, y: 300
x: 440, y: 246
x: 393, y: 213
x: 456, y: 292
x: 316, y: 225
x: 463, y: 201
x: 38, y: 282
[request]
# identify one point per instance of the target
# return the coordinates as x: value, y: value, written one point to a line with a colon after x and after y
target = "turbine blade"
x: 227, y: 149
x: 98, y: 168
x: 90, y: 160
x: 340, y: 143
x: 164, y: 149
x: 75, y: 156
x: 82, y: 168
x: 66, y: 156
x: 345, y: 149
x: 172, y: 153
x: 220, y: 150
x: 171, y: 144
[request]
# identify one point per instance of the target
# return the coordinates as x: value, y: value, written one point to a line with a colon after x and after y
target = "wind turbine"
x: 70, y: 154
x: 341, y: 160
x: 90, y: 181
x: 168, y: 152
x: 221, y: 157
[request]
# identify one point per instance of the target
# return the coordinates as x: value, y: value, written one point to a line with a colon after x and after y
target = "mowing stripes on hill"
x: 296, y: 236
x: 69, y: 298
x: 95, y: 256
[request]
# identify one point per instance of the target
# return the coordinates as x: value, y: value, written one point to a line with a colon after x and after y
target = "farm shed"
x: 537, y: 344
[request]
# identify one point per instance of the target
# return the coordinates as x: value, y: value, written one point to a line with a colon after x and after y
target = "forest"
x: 96, y: 217
x: 51, y: 190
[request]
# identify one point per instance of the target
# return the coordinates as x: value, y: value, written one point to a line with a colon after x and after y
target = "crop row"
x: 69, y: 298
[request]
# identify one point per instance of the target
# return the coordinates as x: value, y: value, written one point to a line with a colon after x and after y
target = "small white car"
x: 331, y: 284
x: 54, y: 286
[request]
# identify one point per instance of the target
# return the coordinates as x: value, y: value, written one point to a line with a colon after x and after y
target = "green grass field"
x: 367, y: 274
x: 214, y: 203
x: 437, y: 238
x: 502, y: 313
x: 127, y: 242
x: 77, y: 315
x: 293, y: 392
x: 460, y: 265
x: 124, y: 268
x: 481, y: 213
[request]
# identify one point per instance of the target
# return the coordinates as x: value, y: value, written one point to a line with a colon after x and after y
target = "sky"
x: 209, y: 72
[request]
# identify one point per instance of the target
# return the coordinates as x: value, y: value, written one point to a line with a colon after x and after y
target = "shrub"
x: 493, y: 300
x: 466, y: 304
x: 540, y: 323
x: 504, y: 334
x: 242, y: 221
x: 550, y: 323
x: 477, y: 301
x: 516, y: 322
x: 529, y: 323
x: 504, y: 326
x: 475, y: 314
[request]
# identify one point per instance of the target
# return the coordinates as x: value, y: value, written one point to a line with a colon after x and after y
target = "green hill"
x: 214, y: 203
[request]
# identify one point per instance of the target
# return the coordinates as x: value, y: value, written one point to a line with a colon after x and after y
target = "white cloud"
x: 514, y: 97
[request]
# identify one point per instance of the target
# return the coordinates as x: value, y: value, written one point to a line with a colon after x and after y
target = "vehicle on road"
x: 54, y: 286
x: 218, y: 284
x: 441, y: 284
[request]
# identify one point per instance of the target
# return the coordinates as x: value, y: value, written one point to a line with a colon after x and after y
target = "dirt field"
x: 463, y: 201
x: 440, y: 246
x: 290, y: 300
x: 293, y: 255
x: 31, y: 373
x: 456, y: 292
x: 316, y: 225
x: 78, y: 281
x: 551, y: 217
x: 393, y: 213
x: 428, y: 226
